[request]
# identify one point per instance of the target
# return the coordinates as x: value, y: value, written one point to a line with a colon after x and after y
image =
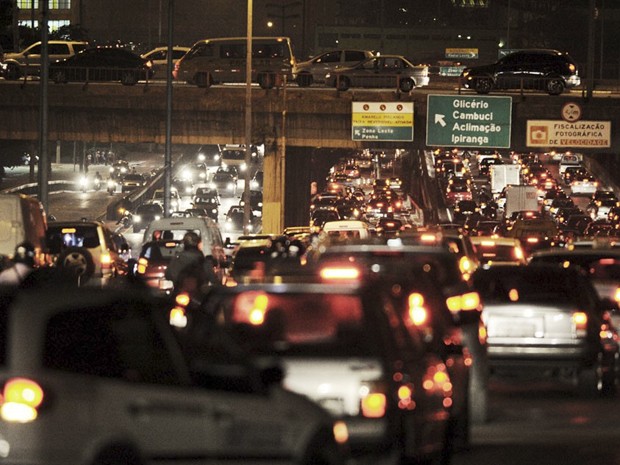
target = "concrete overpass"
x: 298, y: 126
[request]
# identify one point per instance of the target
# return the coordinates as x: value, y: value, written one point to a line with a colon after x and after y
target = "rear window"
x: 71, y: 236
x: 329, y: 325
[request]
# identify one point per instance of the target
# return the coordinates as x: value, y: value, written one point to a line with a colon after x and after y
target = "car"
x: 208, y: 204
x: 159, y: 58
x: 194, y: 173
x: 548, y: 319
x: 458, y: 189
x: 28, y: 61
x: 119, y: 169
x: 541, y: 69
x: 85, y: 249
x: 384, y: 71
x: 87, y: 363
x: 102, y: 64
x: 599, y: 209
x: 235, y: 220
x: 339, y: 348
x: 322, y: 215
x: 158, y: 197
x: 223, y: 60
x: 132, y: 181
x: 153, y: 260
x: 225, y: 181
x: 316, y: 68
x: 493, y: 251
x: 256, y: 183
x: 256, y: 202
x: 413, y: 267
x: 144, y: 214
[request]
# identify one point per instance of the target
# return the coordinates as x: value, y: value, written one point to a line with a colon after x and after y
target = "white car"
x: 99, y: 377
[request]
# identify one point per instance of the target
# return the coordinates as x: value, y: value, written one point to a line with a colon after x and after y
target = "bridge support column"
x: 274, y: 167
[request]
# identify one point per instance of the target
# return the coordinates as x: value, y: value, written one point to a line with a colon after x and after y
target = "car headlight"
x: 201, y: 157
x: 137, y: 218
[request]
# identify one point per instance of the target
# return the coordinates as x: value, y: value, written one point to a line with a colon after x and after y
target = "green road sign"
x: 468, y: 121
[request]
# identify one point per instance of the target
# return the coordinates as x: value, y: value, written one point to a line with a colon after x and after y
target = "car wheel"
x: 266, y: 80
x: 129, y: 78
x: 78, y: 261
x: 12, y: 72
x: 59, y: 77
x: 555, y: 86
x: 483, y: 85
x: 343, y: 83
x: 590, y: 379
x: 304, y: 80
x: 203, y: 80
x: 406, y: 85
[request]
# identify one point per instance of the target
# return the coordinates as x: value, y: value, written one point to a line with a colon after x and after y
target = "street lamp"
x: 282, y: 15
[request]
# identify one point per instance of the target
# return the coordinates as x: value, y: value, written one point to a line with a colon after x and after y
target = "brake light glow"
x: 177, y: 317
x: 417, y: 312
x: 182, y: 299
x: 617, y: 295
x: 374, y: 405
x: 106, y: 259
x: 22, y: 397
x: 142, y: 264
x: 341, y: 432
x: 340, y: 273
x: 580, y: 320
x: 532, y: 240
x: 466, y: 302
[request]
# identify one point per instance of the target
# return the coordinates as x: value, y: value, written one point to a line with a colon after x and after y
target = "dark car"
x: 102, y: 64
x: 549, y: 318
x: 146, y: 213
x: 225, y: 180
x: 385, y: 71
x: 154, y: 258
x: 132, y: 181
x: 351, y: 350
x: 548, y: 70
x: 209, y: 204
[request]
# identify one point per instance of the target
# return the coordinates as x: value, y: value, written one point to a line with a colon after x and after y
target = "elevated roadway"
x: 296, y: 125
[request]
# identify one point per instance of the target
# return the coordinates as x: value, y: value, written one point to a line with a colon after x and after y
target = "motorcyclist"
x: 98, y: 180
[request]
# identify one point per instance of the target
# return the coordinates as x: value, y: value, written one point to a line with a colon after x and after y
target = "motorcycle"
x: 97, y: 184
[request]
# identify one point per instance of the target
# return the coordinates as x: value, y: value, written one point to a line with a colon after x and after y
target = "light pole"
x: 247, y: 208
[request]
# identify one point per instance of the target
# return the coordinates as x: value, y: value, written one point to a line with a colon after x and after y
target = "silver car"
x: 315, y: 69
x: 385, y: 71
x: 550, y: 318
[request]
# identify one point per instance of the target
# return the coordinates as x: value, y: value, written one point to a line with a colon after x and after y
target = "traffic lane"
x: 75, y: 205
x: 544, y: 423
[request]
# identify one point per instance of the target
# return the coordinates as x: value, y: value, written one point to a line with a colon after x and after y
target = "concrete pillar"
x: 273, y: 188
x: 57, y: 151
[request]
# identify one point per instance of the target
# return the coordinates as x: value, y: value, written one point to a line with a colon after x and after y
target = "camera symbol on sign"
x: 539, y: 134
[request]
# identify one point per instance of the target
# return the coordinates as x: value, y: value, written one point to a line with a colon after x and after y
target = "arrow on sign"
x: 357, y: 132
x: 440, y: 119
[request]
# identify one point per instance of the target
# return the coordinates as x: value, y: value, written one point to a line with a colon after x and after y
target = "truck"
x: 504, y: 175
x: 520, y: 198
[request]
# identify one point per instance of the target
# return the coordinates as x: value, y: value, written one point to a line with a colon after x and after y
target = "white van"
x: 347, y: 229
x: 22, y: 219
x: 223, y: 60
x: 175, y: 229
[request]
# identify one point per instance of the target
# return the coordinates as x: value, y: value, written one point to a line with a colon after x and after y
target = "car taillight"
x: 106, y: 259
x: 417, y: 312
x: 21, y: 398
x: 580, y: 323
x: 178, y: 317
x: 373, y: 403
x: 463, y: 302
x: 142, y: 265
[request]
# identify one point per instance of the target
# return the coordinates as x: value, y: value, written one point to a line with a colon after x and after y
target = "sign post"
x: 468, y: 121
x: 382, y: 121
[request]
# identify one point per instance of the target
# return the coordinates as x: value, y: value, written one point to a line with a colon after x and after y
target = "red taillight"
x: 21, y: 398
x: 374, y: 405
x: 580, y: 323
x: 142, y: 265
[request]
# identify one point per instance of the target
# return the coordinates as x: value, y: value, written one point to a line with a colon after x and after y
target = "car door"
x: 326, y: 63
x: 366, y: 74
x: 508, y: 72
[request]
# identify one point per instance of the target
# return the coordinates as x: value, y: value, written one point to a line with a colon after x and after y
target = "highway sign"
x: 468, y: 121
x: 382, y: 121
x: 559, y: 133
